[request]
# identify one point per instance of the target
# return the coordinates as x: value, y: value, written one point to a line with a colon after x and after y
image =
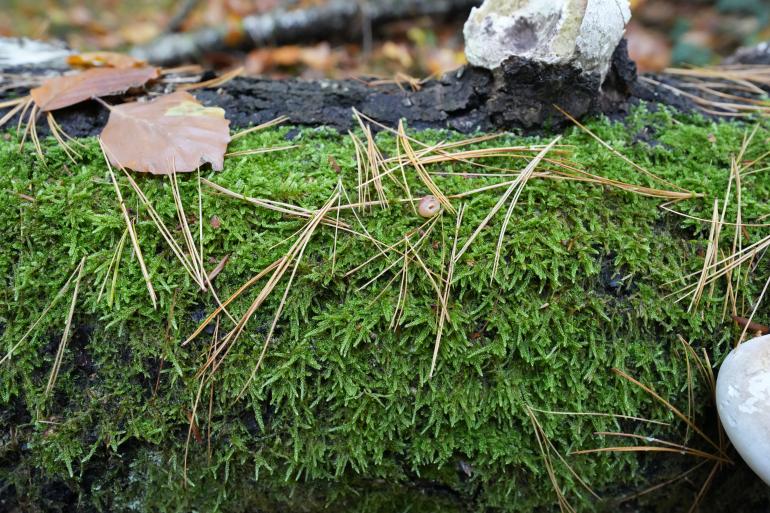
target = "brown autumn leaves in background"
x: 171, y: 133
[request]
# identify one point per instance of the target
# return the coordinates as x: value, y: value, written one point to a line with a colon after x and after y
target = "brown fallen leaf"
x: 104, y: 60
x: 60, y: 92
x: 171, y: 133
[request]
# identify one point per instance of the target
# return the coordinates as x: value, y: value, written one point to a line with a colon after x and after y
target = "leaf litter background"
x: 662, y: 33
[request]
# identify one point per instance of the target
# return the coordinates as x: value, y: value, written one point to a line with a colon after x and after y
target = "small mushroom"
x: 743, y: 401
x: 429, y: 206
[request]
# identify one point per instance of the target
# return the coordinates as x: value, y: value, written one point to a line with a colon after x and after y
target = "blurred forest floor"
x: 661, y: 33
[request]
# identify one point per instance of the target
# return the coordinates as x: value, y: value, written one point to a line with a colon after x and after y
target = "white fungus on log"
x: 743, y: 401
x: 583, y: 33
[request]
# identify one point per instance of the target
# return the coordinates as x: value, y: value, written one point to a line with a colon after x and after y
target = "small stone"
x: 583, y: 33
x: 743, y: 402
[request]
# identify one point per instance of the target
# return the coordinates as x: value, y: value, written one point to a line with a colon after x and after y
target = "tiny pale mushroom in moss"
x: 743, y: 401
x: 429, y: 206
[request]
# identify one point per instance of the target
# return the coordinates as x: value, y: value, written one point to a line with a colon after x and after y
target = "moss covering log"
x: 342, y: 413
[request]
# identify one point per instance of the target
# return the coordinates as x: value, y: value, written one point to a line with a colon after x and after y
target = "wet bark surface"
x: 519, y: 95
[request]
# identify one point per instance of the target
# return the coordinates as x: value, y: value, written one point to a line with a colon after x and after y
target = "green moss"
x: 342, y: 411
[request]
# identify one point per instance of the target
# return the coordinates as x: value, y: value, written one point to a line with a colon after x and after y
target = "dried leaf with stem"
x: 172, y: 133
x: 64, y: 91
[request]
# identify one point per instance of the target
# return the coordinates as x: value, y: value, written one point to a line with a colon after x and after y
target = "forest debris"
x: 104, y: 60
x: 218, y: 269
x: 63, y: 91
x: 66, y: 335
x: 131, y: 232
x: 173, y: 133
x: 751, y: 326
x: 343, y: 18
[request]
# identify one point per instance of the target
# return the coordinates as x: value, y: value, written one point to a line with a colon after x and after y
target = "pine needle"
x: 296, y: 256
x: 259, y: 151
x: 671, y: 408
x: 115, y: 258
x: 504, y: 198
x: 45, y: 311
x: 131, y: 231
x: 65, y: 336
x: 664, y: 446
x: 214, y: 82
x: 616, y: 152
x: 543, y: 445
x: 18, y: 104
x: 444, y: 298
x: 420, y: 169
x: 275, y: 122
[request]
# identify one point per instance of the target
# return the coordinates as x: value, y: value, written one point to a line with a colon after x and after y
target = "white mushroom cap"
x: 743, y: 401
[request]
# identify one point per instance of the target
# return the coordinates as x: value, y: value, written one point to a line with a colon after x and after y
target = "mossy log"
x: 342, y: 413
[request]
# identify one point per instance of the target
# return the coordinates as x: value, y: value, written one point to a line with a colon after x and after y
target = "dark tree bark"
x: 519, y: 95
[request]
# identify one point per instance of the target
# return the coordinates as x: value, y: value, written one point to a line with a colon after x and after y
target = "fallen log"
x: 341, y: 20
x: 521, y: 94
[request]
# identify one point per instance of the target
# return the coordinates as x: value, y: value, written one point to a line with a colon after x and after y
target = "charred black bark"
x: 521, y: 94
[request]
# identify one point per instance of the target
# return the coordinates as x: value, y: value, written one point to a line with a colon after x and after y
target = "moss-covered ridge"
x: 342, y: 411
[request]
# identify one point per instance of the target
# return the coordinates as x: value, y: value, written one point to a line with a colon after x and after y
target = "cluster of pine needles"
x: 733, y: 91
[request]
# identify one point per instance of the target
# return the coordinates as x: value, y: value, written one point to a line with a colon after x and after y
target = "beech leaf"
x: 60, y: 92
x: 171, y: 133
